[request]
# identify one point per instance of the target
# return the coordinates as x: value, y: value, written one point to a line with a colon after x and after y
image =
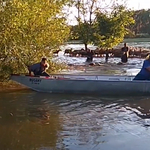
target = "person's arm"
x: 47, y: 66
x: 146, y: 65
x: 29, y: 69
x: 30, y: 73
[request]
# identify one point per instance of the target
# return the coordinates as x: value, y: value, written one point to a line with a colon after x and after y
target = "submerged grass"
x: 10, y: 85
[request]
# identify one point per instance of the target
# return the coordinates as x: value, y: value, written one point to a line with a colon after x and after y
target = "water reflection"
x: 141, y: 110
x: 30, y: 120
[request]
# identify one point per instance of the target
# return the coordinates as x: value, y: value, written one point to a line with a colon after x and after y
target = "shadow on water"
x: 31, y: 120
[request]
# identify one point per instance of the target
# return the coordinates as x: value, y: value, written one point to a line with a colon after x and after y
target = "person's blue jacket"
x: 144, y: 73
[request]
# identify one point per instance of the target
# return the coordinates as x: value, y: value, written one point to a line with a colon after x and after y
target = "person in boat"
x: 144, y: 73
x: 39, y: 69
x: 125, y: 53
x: 89, y: 55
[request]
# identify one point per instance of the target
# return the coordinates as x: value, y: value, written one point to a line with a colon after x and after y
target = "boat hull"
x: 113, y: 85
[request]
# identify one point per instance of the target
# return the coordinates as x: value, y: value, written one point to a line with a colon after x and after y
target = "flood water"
x: 43, y: 121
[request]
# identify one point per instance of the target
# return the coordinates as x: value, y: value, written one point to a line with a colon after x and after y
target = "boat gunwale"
x: 73, y: 75
x: 89, y: 80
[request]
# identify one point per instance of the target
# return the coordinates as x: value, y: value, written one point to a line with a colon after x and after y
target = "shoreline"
x: 10, y: 86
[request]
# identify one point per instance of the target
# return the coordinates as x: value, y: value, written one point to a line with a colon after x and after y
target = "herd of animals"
x: 99, y: 52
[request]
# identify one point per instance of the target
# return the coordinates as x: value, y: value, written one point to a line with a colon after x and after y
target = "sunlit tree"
x: 30, y: 29
x: 111, y: 28
x: 142, y: 22
x: 88, y: 14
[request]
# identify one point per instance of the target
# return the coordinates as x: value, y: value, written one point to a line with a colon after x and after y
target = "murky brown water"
x: 40, y: 121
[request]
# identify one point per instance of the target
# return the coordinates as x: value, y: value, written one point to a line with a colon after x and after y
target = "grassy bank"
x: 11, y: 86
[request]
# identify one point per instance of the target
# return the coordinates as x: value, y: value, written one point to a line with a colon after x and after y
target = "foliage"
x: 111, y: 28
x: 55, y: 67
x: 82, y: 32
x: 141, y: 27
x: 99, y: 27
x: 29, y: 30
x: 84, y: 18
x: 142, y: 22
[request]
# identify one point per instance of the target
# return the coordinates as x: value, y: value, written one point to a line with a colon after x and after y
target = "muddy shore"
x: 11, y: 86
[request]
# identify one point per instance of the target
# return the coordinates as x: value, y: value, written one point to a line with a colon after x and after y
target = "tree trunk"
x: 85, y: 44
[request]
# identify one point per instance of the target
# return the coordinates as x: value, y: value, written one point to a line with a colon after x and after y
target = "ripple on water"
x: 60, y: 121
x: 99, y: 122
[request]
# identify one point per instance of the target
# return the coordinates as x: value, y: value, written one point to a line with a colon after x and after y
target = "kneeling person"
x: 144, y: 74
x: 39, y: 69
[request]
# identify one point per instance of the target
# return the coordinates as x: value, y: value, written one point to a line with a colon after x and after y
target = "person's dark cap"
x: 43, y: 59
